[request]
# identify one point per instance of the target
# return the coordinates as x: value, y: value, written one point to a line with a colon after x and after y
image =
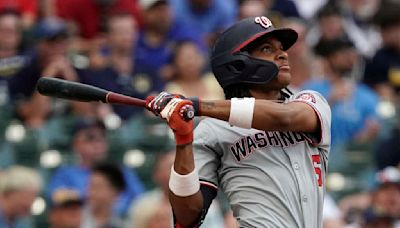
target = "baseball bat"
x: 64, y: 89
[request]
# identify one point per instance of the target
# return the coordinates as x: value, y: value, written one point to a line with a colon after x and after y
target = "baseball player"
x: 264, y: 147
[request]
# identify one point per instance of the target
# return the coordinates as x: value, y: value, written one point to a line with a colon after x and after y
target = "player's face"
x: 271, y: 49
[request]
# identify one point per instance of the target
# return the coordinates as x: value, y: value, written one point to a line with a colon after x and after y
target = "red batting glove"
x: 157, y: 104
x: 173, y: 113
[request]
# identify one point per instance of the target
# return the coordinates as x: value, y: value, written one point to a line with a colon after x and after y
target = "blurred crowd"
x: 68, y: 164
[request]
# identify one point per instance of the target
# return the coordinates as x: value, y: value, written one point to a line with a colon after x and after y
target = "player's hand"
x: 157, y: 104
x: 182, y: 127
x: 174, y: 108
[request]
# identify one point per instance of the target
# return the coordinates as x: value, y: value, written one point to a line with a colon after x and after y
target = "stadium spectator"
x: 353, y: 105
x: 90, y: 145
x: 329, y: 25
x: 65, y: 209
x: 386, y: 198
x: 48, y: 59
x: 357, y: 17
x: 303, y: 63
x: 11, y: 61
x: 89, y: 17
x: 28, y: 9
x: 332, y: 216
x: 383, y: 71
x: 272, y: 8
x: 208, y: 16
x: 308, y: 8
x: 152, y: 209
x: 379, y: 207
x: 19, y: 186
x: 251, y: 8
x: 10, y: 30
x: 158, y: 37
x: 119, y: 72
x: 188, y: 77
x: 387, y: 152
x: 376, y: 219
x: 105, y: 184
x: 285, y: 8
x: 337, y: 19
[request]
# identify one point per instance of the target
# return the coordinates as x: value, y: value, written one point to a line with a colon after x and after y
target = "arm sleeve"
x: 323, y: 112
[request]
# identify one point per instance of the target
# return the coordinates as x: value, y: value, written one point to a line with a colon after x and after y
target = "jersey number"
x: 316, y: 159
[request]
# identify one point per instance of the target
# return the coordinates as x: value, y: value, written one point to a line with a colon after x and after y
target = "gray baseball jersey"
x: 271, y: 179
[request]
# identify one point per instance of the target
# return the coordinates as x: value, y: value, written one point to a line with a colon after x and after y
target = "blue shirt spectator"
x: 209, y: 17
x: 286, y: 7
x: 348, y: 116
x: 157, y: 56
x: 77, y: 178
x: 158, y: 38
x: 90, y: 145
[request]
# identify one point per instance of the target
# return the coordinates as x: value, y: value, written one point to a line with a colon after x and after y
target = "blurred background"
x: 68, y: 164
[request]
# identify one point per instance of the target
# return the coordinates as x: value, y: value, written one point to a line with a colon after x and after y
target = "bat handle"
x: 187, y: 112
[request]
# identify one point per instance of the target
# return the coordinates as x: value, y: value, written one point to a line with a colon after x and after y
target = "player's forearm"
x: 267, y: 115
x: 216, y: 109
x: 184, y: 161
x: 187, y: 209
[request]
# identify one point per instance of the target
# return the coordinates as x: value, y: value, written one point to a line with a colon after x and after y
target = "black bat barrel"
x: 60, y: 88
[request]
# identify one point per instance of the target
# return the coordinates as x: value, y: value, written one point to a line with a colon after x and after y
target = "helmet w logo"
x: 263, y: 21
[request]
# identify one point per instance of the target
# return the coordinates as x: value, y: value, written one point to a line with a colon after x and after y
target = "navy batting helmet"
x: 232, y: 65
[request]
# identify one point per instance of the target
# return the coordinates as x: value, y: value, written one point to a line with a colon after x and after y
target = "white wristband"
x: 242, y: 110
x: 184, y: 185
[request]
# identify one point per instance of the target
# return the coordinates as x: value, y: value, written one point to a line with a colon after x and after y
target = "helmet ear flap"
x: 237, y: 67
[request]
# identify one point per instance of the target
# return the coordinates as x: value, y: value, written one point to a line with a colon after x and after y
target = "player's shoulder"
x: 308, y: 95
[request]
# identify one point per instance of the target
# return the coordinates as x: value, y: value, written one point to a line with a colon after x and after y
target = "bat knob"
x: 187, y: 112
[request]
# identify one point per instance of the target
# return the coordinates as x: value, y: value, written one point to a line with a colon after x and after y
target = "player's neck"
x: 265, y: 95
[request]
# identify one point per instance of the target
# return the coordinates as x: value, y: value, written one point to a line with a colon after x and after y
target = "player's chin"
x: 284, y: 78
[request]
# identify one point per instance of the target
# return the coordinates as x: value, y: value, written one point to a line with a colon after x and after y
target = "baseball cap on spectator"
x: 63, y: 198
x: 50, y: 29
x: 389, y: 175
x: 326, y: 48
x: 148, y: 4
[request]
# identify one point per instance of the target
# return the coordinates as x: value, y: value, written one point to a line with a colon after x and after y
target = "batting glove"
x: 156, y: 104
x: 182, y: 127
x: 178, y: 112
